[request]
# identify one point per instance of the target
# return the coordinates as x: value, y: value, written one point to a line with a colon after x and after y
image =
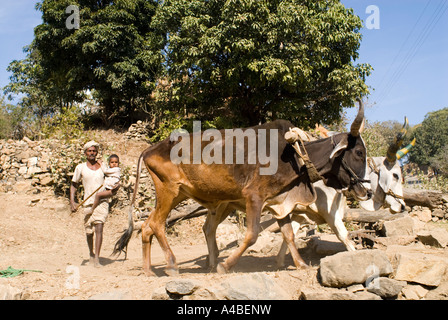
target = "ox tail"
x: 122, y: 243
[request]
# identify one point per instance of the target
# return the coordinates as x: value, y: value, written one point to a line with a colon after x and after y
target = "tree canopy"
x: 432, y: 139
x: 263, y: 59
x: 114, y: 52
x: 249, y: 61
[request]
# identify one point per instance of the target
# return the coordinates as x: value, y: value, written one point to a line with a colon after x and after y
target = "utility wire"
x: 411, y: 53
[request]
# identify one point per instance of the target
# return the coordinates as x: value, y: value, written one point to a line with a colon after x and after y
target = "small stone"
x: 181, y: 286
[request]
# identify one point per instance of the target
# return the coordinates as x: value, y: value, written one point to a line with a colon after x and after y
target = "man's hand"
x: 73, y: 204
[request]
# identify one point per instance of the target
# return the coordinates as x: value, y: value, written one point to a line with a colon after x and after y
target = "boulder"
x: 386, y: 288
x: 160, y: 294
x: 439, y: 293
x: 424, y: 215
x: 439, y: 213
x: 398, y: 227
x: 437, y: 237
x: 422, y: 268
x: 414, y: 292
x: 347, y: 268
x: 253, y: 286
x: 181, y: 286
x: 8, y: 292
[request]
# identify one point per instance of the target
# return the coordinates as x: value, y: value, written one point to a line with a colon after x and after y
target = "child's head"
x: 114, y: 161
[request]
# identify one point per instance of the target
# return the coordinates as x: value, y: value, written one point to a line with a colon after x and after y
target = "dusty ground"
x: 44, y: 236
x: 38, y: 232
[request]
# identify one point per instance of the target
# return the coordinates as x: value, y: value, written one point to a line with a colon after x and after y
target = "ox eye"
x: 359, y: 153
x: 395, y: 176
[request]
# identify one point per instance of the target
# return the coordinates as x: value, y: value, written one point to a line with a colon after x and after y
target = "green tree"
x: 379, y: 135
x: 16, y: 122
x: 432, y: 138
x: 26, y: 83
x: 440, y: 161
x: 257, y: 60
x: 114, y: 52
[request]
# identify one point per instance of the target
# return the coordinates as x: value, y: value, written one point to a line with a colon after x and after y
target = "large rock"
x: 421, y: 268
x: 436, y: 237
x: 398, y: 227
x: 424, y: 215
x: 439, y: 293
x: 254, y: 286
x: 386, y: 288
x: 414, y: 292
x: 8, y: 292
x: 346, y: 268
x: 181, y: 286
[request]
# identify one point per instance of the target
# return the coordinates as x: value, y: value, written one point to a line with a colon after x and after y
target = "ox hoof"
x: 303, y: 266
x: 172, y: 272
x: 221, y: 269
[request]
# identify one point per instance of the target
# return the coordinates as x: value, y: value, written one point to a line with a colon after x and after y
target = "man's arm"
x: 73, y: 188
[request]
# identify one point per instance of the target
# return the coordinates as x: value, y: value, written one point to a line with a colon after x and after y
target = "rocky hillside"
x: 401, y: 256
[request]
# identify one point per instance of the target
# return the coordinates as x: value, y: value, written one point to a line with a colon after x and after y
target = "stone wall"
x: 49, y: 165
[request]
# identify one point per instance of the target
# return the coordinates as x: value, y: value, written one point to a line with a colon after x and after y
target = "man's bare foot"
x: 97, y: 263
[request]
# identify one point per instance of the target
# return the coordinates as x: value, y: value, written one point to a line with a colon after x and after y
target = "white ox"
x: 329, y: 207
x: 385, y: 178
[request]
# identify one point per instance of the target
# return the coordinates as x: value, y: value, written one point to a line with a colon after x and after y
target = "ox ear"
x: 342, y: 145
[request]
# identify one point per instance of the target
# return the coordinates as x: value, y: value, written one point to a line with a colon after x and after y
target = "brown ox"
x: 223, y: 186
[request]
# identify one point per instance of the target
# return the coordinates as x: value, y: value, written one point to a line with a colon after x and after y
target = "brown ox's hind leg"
x: 155, y: 225
x: 288, y: 236
x: 253, y: 214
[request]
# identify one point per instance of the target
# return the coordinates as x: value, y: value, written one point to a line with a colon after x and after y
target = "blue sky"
x: 409, y: 53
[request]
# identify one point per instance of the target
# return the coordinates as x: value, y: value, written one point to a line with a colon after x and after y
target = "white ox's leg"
x: 334, y: 220
x: 284, y: 247
x: 329, y: 208
x: 209, y: 229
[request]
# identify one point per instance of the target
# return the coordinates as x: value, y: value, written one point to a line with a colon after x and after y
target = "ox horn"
x: 402, y: 152
x: 357, y: 123
x: 391, y: 155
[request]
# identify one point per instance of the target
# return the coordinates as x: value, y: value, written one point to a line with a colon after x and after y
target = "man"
x: 91, y: 176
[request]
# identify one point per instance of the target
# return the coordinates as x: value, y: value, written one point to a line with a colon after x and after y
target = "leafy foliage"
x: 244, y: 61
x: 114, y: 52
x: 379, y: 135
x: 65, y: 125
x: 259, y: 60
x: 432, y: 138
x: 16, y: 122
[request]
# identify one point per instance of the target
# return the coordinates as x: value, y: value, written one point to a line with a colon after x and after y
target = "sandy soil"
x: 37, y: 232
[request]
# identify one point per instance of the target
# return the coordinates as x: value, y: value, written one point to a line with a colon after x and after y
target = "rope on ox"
x: 294, y: 136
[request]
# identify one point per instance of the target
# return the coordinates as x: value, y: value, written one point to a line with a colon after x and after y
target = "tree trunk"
x: 424, y: 198
x: 361, y: 215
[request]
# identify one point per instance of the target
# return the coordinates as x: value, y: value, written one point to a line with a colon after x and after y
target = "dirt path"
x: 37, y: 232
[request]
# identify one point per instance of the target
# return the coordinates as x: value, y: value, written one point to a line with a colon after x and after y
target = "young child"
x: 112, y: 177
